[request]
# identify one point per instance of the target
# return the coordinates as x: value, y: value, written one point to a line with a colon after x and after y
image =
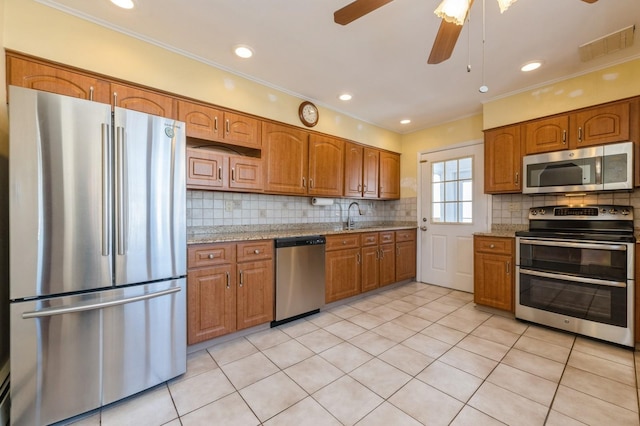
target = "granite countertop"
x: 213, y: 234
x: 502, y: 230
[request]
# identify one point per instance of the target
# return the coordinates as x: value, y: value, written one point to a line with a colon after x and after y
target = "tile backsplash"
x: 513, y: 209
x: 212, y: 208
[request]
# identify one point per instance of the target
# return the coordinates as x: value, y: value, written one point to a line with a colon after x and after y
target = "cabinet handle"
x: 517, y: 178
x: 228, y: 280
x: 365, y: 188
x: 219, y: 173
x: 564, y: 136
x: 256, y: 251
x: 211, y: 256
x: 215, y: 123
x: 381, y: 254
x: 579, y: 134
x: 304, y: 182
x: 227, y: 125
x: 508, y: 268
x: 358, y: 258
x: 115, y: 98
x: 344, y: 242
x: 91, y: 93
x: 310, y: 182
x: 492, y: 246
x: 233, y: 174
x: 241, y: 278
x: 377, y: 254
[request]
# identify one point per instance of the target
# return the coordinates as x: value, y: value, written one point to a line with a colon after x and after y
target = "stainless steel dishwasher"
x: 299, y: 277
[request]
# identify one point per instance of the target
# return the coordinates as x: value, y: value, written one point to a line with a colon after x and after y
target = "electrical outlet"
x: 228, y: 206
x: 514, y: 207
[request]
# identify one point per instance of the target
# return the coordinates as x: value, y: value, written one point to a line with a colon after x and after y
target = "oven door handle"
x: 583, y: 280
x: 556, y: 243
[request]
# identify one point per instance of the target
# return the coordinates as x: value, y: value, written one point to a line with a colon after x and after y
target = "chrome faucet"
x: 350, y: 223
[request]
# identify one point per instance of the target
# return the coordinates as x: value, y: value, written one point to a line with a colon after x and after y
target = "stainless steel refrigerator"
x: 97, y: 254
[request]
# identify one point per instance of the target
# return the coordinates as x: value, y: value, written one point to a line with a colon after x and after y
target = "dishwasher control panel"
x: 312, y: 240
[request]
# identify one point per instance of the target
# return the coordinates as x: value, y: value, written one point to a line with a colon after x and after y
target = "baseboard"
x: 4, y: 394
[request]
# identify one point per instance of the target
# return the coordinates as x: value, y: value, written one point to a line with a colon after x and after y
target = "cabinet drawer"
x: 494, y: 245
x: 369, y: 239
x: 211, y: 254
x: 387, y: 237
x: 255, y: 250
x: 338, y: 242
x: 405, y: 235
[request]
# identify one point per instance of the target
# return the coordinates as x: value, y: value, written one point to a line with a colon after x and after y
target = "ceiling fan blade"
x: 444, y: 43
x: 357, y: 9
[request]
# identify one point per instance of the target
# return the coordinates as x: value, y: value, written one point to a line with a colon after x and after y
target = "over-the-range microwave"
x: 596, y: 168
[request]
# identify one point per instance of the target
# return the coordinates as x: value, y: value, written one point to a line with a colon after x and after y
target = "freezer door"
x: 145, y: 342
x: 59, y: 194
x: 73, y: 354
x: 150, y: 198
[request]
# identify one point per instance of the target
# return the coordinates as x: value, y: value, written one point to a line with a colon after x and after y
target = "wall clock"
x: 308, y: 113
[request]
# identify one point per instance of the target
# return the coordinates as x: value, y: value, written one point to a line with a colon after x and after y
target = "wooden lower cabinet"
x: 230, y: 286
x: 343, y: 269
x: 405, y: 254
x: 494, y: 272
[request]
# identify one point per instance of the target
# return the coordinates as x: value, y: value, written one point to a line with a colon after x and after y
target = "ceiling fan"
x: 448, y: 32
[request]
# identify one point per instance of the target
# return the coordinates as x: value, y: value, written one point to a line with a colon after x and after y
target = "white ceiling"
x: 381, y: 58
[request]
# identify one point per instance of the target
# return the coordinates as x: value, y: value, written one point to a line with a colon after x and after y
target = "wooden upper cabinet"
x: 143, y: 100
x: 549, y: 134
x: 246, y: 173
x: 285, y: 159
x: 206, y: 169
x: 389, y: 187
x: 370, y: 170
x: 600, y: 125
x: 205, y: 122
x: 502, y: 160
x: 326, y: 166
x: 202, y: 122
x: 48, y: 78
x: 353, y: 162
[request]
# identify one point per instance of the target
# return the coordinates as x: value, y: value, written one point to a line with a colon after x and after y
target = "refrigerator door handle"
x: 48, y: 312
x: 106, y: 191
x: 120, y: 190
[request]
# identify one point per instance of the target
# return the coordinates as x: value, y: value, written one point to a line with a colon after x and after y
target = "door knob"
x: 423, y: 228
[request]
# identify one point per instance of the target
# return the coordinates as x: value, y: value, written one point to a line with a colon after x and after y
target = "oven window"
x: 600, y: 263
x: 597, y: 303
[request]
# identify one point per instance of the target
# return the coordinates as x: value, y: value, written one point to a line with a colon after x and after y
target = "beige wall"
x: 45, y: 32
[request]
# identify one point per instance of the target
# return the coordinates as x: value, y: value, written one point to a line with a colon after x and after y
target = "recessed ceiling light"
x: 530, y: 66
x: 405, y: 121
x: 345, y: 97
x: 243, y: 51
x: 125, y: 4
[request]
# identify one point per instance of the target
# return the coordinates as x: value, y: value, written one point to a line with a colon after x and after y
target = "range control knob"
x: 613, y: 211
x: 625, y: 212
x: 542, y: 211
x: 534, y: 212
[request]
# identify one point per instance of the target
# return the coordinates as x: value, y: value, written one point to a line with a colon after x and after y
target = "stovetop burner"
x: 597, y: 222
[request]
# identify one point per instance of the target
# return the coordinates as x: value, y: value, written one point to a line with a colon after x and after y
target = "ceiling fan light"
x: 453, y: 11
x: 504, y: 4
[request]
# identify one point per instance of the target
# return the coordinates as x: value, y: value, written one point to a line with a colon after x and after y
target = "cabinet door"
x: 326, y: 166
x: 202, y: 121
x: 211, y: 303
x: 255, y: 293
x: 550, y: 134
x: 493, y: 280
x: 502, y: 160
x: 285, y: 160
x: 206, y: 169
x: 389, y: 187
x: 353, y: 161
x: 37, y: 76
x: 370, y: 268
x: 405, y: 260
x: 242, y: 130
x: 370, y: 170
x: 600, y: 125
x: 387, y: 264
x: 343, y: 273
x: 246, y: 173
x: 143, y: 100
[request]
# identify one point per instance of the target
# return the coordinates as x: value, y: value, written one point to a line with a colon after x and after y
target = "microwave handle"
x: 599, y: 170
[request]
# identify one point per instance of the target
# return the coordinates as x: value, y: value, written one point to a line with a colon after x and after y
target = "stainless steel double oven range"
x: 575, y: 270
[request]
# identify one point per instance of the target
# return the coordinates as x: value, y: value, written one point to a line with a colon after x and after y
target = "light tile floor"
x: 410, y: 355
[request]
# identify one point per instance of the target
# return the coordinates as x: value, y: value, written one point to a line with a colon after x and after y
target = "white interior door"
x: 452, y: 207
